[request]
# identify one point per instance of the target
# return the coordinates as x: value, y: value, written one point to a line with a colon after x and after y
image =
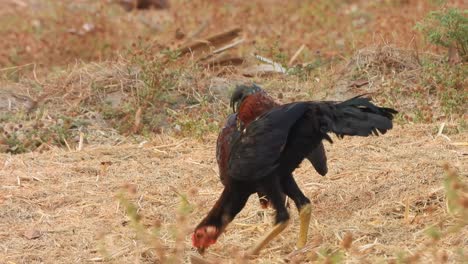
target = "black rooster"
x: 263, y: 154
x: 255, y: 102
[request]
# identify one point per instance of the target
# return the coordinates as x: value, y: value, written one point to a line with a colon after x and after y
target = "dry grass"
x: 385, y: 191
x: 136, y: 130
x: 59, y: 33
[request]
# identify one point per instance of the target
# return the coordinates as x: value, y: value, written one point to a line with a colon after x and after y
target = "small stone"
x: 32, y: 234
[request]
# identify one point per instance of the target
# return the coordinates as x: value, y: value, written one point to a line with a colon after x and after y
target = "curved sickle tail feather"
x: 356, y: 117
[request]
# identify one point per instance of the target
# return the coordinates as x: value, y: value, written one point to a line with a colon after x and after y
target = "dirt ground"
x: 108, y: 129
x: 60, y: 206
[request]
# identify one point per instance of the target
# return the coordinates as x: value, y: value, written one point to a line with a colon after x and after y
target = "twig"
x: 368, y: 246
x: 222, y: 49
x: 97, y: 259
x: 35, y: 76
x: 441, y: 129
x: 66, y: 143
x: 214, y: 40
x: 32, y: 177
x: 170, y: 145
x: 229, y: 46
x: 294, y: 57
x: 314, y: 183
x: 459, y: 144
x: 16, y: 67
x: 80, y: 142
x: 199, y: 30
x: 407, y: 210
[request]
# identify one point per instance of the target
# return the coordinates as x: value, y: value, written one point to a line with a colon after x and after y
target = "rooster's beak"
x: 201, y: 250
x: 236, y: 103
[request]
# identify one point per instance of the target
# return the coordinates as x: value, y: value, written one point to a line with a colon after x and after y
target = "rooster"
x: 255, y: 102
x: 263, y: 150
x: 250, y: 102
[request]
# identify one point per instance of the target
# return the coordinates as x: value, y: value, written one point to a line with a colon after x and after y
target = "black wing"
x: 255, y: 152
x: 318, y: 159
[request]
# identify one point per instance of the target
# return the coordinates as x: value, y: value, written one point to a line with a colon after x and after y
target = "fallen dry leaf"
x: 32, y: 234
x: 347, y: 240
x: 359, y: 83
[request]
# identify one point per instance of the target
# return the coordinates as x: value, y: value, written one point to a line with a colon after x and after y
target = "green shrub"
x: 447, y: 28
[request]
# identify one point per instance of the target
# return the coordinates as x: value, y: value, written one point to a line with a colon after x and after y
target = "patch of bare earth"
x: 60, y: 206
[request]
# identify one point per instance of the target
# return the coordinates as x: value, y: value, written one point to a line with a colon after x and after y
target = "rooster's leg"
x: 303, y: 205
x: 304, y: 216
x: 277, y: 229
x: 277, y: 199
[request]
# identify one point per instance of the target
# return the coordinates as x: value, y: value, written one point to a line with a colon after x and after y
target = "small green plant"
x: 199, y: 127
x: 274, y: 52
x: 151, y: 236
x: 447, y: 83
x: 304, y: 72
x: 141, y: 112
x: 166, y: 85
x: 14, y: 145
x: 447, y: 28
x: 333, y: 257
x: 457, y: 208
x: 23, y: 134
x: 456, y: 195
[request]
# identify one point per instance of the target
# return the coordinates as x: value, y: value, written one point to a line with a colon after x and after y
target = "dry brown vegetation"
x: 383, y: 201
x: 108, y: 124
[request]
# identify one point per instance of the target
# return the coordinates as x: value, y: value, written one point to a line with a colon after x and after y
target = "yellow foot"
x: 277, y: 229
x: 304, y: 216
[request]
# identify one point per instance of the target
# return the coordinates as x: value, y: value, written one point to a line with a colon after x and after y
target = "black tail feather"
x: 366, y: 105
x: 357, y: 116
